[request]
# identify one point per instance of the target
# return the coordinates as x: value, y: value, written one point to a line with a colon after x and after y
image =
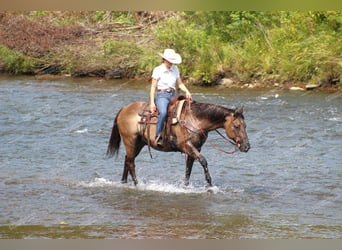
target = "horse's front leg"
x: 204, y: 164
x: 195, y: 154
x: 189, y: 163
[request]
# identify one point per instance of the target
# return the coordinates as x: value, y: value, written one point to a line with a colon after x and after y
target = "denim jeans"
x: 162, y: 101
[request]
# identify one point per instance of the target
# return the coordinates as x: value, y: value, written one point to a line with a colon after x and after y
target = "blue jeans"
x: 162, y: 102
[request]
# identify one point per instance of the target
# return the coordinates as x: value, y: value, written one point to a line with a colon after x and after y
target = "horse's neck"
x: 208, y: 116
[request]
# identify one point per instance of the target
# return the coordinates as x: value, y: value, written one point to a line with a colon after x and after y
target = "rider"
x: 164, y: 79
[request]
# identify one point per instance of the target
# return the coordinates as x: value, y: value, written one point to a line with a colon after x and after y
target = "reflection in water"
x: 55, y: 181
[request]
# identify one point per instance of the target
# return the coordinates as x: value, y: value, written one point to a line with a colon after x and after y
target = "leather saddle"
x: 175, y: 110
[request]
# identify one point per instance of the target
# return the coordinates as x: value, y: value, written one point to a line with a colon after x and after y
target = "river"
x: 55, y: 181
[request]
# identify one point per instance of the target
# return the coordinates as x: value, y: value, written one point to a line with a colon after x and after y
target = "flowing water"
x: 55, y: 181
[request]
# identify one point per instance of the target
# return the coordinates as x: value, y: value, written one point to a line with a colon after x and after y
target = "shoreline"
x: 257, y: 85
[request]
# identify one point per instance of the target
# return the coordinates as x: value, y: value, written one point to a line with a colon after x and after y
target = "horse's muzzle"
x: 243, y: 146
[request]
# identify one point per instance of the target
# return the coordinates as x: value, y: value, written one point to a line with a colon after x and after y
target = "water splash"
x: 81, y: 131
x: 153, y: 185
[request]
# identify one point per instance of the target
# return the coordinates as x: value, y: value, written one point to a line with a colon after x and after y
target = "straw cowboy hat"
x: 171, y: 56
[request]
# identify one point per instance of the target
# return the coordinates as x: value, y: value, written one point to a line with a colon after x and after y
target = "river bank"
x: 291, y: 86
x: 299, y: 50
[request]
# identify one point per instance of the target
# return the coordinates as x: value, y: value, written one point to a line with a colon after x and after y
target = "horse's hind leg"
x: 125, y: 173
x: 129, y: 166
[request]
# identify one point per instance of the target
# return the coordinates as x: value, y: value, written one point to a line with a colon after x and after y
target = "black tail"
x: 115, y: 139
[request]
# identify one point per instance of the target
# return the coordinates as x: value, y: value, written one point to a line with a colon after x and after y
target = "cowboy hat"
x: 171, y: 56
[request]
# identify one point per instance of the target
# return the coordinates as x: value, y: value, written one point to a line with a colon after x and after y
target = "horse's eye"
x: 237, y: 127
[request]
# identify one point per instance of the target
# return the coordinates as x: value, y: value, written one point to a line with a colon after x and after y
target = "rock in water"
x: 312, y: 86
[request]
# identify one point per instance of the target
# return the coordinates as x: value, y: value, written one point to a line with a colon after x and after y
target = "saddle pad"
x: 180, y: 105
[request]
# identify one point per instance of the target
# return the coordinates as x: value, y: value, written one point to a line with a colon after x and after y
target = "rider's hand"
x: 188, y: 96
x: 153, y: 108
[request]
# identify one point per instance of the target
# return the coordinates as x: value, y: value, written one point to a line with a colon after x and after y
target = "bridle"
x: 200, y: 131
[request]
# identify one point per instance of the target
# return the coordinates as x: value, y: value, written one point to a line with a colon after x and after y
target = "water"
x: 55, y: 181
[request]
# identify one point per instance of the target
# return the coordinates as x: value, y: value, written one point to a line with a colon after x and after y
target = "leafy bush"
x: 196, y: 48
x: 16, y: 63
x: 287, y: 46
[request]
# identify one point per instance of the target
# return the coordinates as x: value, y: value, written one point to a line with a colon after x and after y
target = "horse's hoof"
x: 186, y: 183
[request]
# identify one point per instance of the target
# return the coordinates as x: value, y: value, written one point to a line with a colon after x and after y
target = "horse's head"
x: 235, y: 127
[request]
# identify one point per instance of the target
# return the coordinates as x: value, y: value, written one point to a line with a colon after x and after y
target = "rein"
x: 227, y: 139
x: 220, y: 149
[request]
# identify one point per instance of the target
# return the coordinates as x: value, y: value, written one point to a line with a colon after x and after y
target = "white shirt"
x: 166, y: 78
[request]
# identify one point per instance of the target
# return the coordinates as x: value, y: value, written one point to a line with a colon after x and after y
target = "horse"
x: 186, y: 136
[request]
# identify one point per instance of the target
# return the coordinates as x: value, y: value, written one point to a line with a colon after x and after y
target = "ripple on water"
x: 54, y: 136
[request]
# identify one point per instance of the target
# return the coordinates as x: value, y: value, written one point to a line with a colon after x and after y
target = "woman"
x: 164, y: 79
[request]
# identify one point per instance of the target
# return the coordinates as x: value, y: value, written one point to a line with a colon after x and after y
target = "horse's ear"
x: 238, y: 113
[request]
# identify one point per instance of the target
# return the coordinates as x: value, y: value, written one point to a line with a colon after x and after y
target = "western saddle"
x: 174, y: 116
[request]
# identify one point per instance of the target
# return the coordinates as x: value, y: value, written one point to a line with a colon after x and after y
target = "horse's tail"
x: 115, y: 139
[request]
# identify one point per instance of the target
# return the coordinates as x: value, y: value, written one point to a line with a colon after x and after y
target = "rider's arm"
x: 152, y: 93
x: 184, y: 88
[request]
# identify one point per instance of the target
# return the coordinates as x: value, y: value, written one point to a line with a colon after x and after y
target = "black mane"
x: 212, y: 112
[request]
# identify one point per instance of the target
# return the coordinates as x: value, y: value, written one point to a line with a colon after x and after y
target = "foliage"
x: 196, y: 48
x: 15, y: 62
x: 287, y: 46
x: 123, y: 53
x: 110, y: 16
x: 277, y: 46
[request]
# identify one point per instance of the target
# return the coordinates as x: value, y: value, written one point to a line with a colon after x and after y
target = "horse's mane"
x: 212, y: 112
